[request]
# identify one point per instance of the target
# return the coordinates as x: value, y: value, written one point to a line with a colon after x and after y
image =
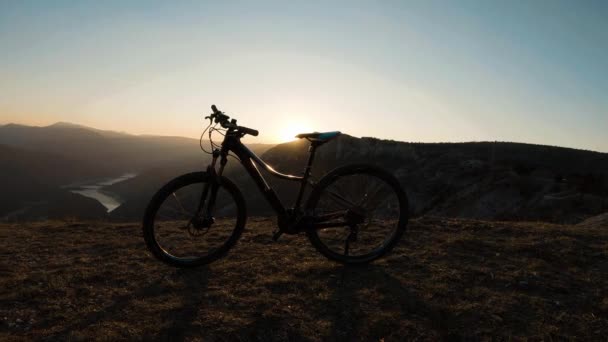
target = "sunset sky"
x: 432, y: 71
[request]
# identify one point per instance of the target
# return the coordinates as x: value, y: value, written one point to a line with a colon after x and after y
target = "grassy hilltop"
x: 448, y: 279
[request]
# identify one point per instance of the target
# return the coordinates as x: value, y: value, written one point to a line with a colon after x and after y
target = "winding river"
x: 95, y: 191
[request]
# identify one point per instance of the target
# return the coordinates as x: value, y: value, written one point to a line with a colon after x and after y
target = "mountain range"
x: 480, y: 180
x: 40, y: 165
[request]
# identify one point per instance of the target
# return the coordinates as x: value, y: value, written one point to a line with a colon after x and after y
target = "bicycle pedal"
x: 276, y: 235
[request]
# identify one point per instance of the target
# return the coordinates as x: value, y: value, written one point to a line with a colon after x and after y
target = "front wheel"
x: 358, y: 214
x: 182, y: 229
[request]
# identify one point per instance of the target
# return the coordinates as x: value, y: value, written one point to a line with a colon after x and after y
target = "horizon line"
x: 67, y: 123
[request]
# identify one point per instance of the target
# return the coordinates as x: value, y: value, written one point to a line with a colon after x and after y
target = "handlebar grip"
x: 249, y: 131
x: 214, y: 109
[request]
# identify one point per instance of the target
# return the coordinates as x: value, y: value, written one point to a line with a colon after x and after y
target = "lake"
x: 95, y: 191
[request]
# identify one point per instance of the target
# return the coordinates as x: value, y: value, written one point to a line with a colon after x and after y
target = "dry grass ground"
x: 448, y: 279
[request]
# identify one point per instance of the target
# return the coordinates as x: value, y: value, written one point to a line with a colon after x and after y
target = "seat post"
x: 311, y: 150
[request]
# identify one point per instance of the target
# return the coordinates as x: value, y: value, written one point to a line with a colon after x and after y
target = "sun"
x: 289, y: 131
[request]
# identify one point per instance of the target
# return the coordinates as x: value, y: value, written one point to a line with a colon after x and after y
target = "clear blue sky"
x: 526, y: 71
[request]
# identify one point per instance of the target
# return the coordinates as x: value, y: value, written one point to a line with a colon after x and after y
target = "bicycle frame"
x: 251, y: 162
x: 286, y: 217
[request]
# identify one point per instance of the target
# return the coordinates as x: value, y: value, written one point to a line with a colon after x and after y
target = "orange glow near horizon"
x: 289, y: 131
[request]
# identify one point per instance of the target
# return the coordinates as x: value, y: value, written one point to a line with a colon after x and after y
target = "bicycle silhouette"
x: 353, y: 214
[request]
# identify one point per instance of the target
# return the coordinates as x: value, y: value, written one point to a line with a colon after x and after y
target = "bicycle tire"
x: 170, y: 188
x: 350, y: 170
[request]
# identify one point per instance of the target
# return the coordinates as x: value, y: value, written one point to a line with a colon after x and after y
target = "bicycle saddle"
x: 322, y: 137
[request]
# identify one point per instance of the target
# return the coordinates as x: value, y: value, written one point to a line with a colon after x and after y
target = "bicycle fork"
x: 210, y: 189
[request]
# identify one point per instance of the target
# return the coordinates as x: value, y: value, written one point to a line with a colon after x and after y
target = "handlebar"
x: 249, y: 131
x: 218, y: 116
x: 223, y: 119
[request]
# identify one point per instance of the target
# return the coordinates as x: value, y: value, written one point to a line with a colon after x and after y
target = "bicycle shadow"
x: 356, y: 286
x: 348, y: 309
x: 180, y: 320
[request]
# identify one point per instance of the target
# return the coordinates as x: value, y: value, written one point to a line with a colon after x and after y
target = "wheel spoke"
x: 370, y: 196
x: 345, y: 203
x: 181, y: 206
x: 345, y: 189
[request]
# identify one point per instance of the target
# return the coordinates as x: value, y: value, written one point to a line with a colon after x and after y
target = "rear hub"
x: 354, y: 216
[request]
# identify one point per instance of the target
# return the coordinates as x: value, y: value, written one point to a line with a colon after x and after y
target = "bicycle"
x: 353, y: 214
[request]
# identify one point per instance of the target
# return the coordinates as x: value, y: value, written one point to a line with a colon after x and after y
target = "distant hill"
x: 31, y: 186
x: 116, y: 152
x: 38, y: 162
x: 480, y: 180
x: 113, y: 152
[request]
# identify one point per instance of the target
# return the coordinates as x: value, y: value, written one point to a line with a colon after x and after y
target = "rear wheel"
x: 181, y: 233
x: 359, y: 213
